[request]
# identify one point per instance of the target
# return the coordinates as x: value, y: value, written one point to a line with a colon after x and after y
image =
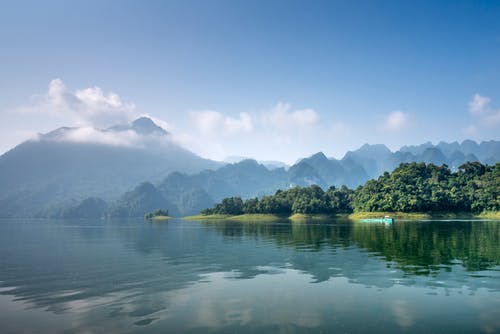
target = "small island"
x: 411, y: 191
x: 158, y: 214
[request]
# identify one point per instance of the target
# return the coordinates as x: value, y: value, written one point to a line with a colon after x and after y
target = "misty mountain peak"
x: 249, y: 161
x: 368, y: 151
x: 146, y: 126
x: 320, y: 156
x: 57, y: 133
x: 378, y: 148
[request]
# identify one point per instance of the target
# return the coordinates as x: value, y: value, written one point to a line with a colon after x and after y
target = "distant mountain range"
x: 127, y: 170
x: 68, y: 165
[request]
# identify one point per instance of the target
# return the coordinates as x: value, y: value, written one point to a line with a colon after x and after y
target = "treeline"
x: 156, y: 213
x: 411, y: 187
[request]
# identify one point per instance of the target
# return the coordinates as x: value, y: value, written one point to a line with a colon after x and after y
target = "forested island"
x: 158, y: 214
x: 411, y: 188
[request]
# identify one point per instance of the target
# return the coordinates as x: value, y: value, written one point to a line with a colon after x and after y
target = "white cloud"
x: 91, y: 135
x: 236, y: 125
x: 89, y: 109
x: 478, y: 104
x: 161, y: 123
x: 213, y: 123
x: 485, y: 115
x: 395, y: 121
x: 263, y: 134
x: 83, y: 107
x: 281, y: 116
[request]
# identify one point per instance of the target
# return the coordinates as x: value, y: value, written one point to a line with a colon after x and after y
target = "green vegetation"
x: 257, y: 217
x: 158, y: 214
x: 413, y: 190
x: 310, y: 200
x: 417, y: 187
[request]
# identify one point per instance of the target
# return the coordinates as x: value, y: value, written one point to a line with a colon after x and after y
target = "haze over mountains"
x: 129, y: 169
x: 65, y: 166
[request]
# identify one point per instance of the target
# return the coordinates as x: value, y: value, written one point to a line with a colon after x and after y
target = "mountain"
x: 72, y: 172
x: 375, y: 159
x: 448, y: 148
x: 485, y: 152
x: 189, y: 194
x: 247, y: 178
x: 333, y: 172
x: 144, y: 198
x: 91, y: 207
x: 416, y: 149
x: 272, y: 164
x: 303, y: 174
x: 68, y: 165
x: 433, y: 155
x: 269, y: 164
x: 142, y: 126
x: 185, y: 193
x: 192, y: 193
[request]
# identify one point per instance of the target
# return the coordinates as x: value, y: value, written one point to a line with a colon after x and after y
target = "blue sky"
x: 267, y: 79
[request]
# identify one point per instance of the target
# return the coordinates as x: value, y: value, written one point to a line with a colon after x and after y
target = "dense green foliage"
x: 308, y: 200
x: 156, y: 213
x: 417, y: 187
x: 411, y: 187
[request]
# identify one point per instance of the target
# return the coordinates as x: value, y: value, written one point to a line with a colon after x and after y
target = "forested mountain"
x: 329, y: 172
x: 69, y: 169
x: 248, y: 179
x: 144, y: 198
x: 411, y: 187
x: 43, y: 175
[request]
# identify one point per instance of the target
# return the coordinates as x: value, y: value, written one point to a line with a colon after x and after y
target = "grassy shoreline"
x: 395, y: 215
x: 159, y: 218
x: 354, y: 216
x: 245, y: 217
x: 490, y: 215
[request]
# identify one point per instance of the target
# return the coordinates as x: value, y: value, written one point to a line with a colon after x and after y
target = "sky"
x: 271, y: 80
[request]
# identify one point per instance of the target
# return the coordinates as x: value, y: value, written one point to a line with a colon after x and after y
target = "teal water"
x: 128, y: 276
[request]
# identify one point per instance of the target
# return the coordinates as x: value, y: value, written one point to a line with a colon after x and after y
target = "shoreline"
x: 158, y: 218
x: 495, y: 215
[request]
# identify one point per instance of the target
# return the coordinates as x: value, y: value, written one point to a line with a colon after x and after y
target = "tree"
x: 411, y: 187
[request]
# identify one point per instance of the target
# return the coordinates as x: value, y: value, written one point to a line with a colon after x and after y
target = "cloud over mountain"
x: 141, y: 133
x: 83, y: 107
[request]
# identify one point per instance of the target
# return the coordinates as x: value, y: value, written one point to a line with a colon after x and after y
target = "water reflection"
x: 418, y: 248
x: 186, y: 276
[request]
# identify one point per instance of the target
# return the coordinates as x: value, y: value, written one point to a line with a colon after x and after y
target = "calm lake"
x: 101, y: 276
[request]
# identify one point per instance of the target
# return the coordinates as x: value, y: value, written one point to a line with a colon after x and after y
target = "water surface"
x: 75, y: 276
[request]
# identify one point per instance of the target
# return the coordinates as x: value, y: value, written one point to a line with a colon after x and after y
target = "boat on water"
x: 384, y: 220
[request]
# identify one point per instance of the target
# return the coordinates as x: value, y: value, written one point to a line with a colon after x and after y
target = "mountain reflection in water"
x: 223, y: 276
